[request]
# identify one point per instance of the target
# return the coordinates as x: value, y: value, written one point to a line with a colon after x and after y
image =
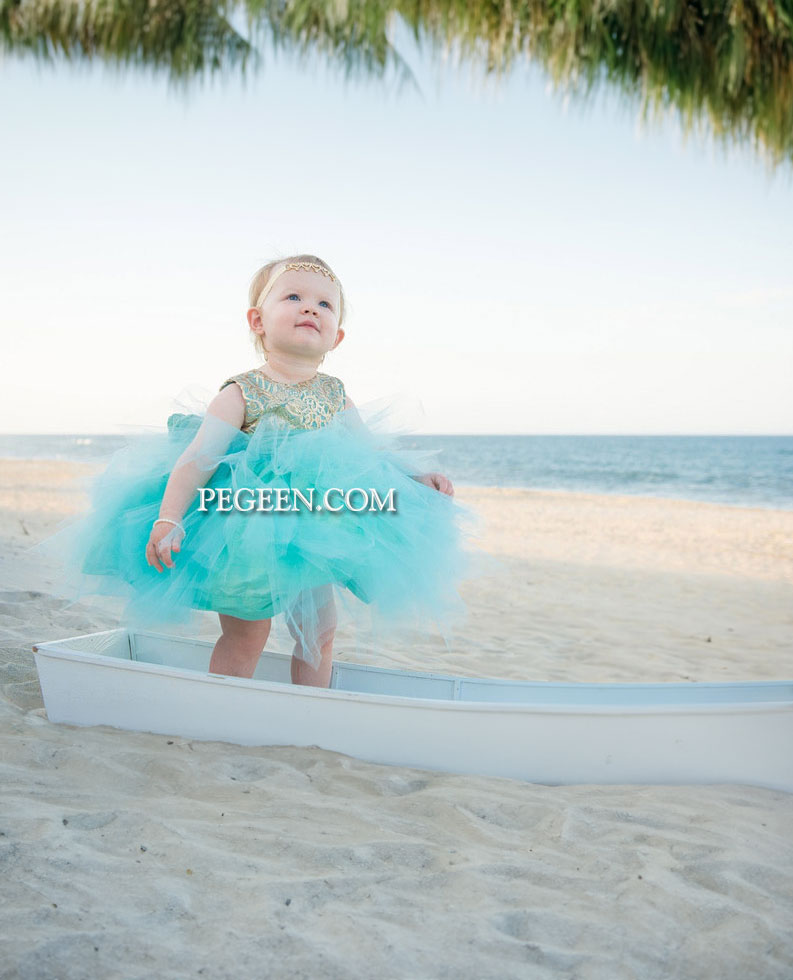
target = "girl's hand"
x: 164, y: 539
x: 436, y: 481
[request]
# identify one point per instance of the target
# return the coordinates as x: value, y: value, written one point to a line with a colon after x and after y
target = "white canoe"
x: 541, y: 732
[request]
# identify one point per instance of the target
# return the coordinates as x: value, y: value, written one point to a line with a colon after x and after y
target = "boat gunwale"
x: 51, y: 649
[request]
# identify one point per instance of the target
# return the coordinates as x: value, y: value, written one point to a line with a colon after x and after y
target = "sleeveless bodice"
x: 307, y: 404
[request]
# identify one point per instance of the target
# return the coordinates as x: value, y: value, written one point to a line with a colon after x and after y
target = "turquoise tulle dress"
x: 389, y: 571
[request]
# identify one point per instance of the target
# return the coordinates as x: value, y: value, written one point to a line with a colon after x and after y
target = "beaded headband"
x: 309, y: 266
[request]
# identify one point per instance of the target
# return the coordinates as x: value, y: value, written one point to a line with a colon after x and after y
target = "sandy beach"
x: 141, y: 856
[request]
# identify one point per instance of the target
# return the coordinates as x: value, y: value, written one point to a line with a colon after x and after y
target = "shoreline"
x: 89, y: 468
x: 769, y: 504
x: 558, y: 491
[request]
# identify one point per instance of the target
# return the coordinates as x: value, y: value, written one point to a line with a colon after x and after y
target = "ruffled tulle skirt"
x: 320, y: 525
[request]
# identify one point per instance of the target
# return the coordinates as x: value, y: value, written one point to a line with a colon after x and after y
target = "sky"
x: 513, y: 262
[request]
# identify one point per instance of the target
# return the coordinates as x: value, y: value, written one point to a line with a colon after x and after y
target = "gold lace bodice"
x: 305, y: 405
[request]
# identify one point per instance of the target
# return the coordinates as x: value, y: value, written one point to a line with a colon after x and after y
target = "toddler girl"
x: 278, y: 499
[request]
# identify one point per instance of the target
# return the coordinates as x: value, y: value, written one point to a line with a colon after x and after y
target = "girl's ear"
x: 339, y: 338
x: 254, y: 317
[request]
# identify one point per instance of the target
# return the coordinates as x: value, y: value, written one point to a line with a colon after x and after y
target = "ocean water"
x: 747, y: 471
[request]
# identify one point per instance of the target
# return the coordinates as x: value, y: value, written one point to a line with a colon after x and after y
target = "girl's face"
x: 300, y: 314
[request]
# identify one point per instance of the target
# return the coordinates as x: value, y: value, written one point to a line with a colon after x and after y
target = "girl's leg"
x: 238, y: 650
x: 313, y: 621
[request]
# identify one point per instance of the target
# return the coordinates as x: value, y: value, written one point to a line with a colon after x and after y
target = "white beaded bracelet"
x: 167, y: 520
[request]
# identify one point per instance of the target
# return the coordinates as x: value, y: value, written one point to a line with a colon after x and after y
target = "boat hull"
x: 544, y: 733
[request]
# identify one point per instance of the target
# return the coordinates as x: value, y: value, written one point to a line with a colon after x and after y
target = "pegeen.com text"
x: 286, y: 499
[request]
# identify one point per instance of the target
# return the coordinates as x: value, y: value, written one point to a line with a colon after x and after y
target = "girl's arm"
x: 352, y: 412
x: 435, y: 481
x: 193, y: 470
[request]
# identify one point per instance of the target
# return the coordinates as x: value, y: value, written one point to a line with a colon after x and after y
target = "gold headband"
x: 310, y: 266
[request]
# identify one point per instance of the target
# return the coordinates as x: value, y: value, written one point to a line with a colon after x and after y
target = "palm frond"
x: 727, y: 64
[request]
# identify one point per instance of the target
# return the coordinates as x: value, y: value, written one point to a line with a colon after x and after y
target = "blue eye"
x: 295, y: 296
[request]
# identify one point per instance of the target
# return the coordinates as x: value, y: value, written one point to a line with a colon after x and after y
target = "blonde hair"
x: 262, y: 277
